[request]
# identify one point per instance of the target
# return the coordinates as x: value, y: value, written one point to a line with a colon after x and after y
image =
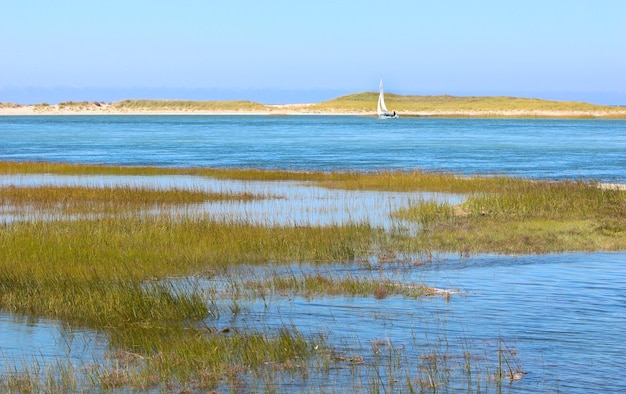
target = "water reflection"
x: 282, y: 203
x: 27, y: 341
x: 562, y: 314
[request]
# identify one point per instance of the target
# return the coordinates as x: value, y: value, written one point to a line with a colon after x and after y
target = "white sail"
x: 381, y: 109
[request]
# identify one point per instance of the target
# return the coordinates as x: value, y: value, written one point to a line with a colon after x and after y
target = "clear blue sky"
x: 299, y: 51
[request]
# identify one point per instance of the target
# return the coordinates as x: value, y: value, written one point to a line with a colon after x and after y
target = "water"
x: 564, y: 314
x: 537, y: 148
x: 279, y: 203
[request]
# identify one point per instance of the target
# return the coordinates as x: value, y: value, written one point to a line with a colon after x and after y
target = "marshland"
x: 372, y: 276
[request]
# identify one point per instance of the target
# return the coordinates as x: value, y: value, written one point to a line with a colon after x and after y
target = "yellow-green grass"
x: 199, y: 361
x: 408, y: 181
x: 75, y: 200
x: 318, y: 284
x: 538, y: 217
x: 80, y: 105
x: 87, y: 257
x: 111, y: 274
x: 365, y: 102
x: 9, y: 105
x: 400, y: 181
x: 175, y: 360
x: 188, y: 105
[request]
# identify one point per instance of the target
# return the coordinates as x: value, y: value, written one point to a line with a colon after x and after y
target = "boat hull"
x: 388, y: 116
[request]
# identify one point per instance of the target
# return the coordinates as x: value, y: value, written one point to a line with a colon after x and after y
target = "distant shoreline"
x: 348, y: 105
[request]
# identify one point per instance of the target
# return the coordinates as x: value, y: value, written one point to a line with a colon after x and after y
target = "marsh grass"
x: 83, y: 270
x: 75, y: 200
x: 116, y: 274
x: 535, y: 217
x: 109, y: 274
x: 407, y: 181
x: 397, y: 181
x: 317, y: 284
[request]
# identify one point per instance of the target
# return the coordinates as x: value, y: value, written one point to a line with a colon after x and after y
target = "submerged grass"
x: 318, y: 284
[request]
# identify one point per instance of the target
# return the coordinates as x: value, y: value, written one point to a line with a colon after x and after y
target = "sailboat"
x: 383, y: 113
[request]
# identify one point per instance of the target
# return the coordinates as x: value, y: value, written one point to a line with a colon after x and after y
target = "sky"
x: 298, y: 51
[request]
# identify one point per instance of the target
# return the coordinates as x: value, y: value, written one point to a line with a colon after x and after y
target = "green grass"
x: 188, y: 105
x: 538, y: 217
x: 366, y: 102
x: 318, y: 284
x: 113, y: 275
x: 117, y: 273
x: 99, y: 264
x: 69, y: 200
x: 408, y: 181
x: 400, y: 181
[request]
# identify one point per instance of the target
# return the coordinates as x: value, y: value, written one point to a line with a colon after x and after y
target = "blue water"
x: 537, y: 148
x: 564, y: 314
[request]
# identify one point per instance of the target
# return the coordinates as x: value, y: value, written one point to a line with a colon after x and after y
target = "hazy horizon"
x: 292, y: 52
x: 30, y: 96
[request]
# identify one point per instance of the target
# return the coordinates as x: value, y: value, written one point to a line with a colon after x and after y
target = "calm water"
x: 564, y: 314
x: 558, y: 149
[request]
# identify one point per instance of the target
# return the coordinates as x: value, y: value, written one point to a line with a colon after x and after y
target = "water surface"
x: 563, y: 314
x: 532, y: 148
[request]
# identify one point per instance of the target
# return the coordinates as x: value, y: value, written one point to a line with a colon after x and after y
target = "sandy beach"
x: 110, y: 109
x: 98, y: 108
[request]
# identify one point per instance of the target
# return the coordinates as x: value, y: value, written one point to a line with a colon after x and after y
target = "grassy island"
x: 354, y: 104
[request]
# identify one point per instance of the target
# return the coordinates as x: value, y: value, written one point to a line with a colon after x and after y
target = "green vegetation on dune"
x: 9, y: 105
x: 188, y: 105
x: 365, y: 102
x: 359, y: 103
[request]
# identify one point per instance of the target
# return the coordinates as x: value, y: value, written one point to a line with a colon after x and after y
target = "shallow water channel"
x: 557, y: 321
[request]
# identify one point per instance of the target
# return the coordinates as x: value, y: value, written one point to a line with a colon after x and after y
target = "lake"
x: 562, y: 316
